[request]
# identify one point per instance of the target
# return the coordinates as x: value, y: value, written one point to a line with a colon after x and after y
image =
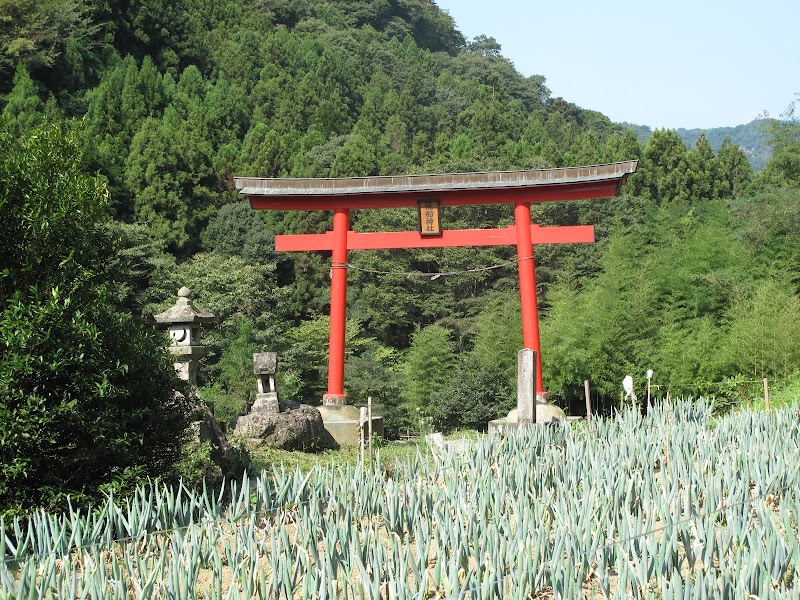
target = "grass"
x: 265, y: 457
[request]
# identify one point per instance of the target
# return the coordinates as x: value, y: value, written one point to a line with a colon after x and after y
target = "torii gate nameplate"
x: 520, y: 188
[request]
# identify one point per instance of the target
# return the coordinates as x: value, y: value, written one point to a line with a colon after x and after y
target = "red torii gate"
x: 428, y: 192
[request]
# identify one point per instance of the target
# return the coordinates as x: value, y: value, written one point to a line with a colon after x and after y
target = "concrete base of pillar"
x: 545, y: 413
x: 342, y: 422
x: 334, y: 400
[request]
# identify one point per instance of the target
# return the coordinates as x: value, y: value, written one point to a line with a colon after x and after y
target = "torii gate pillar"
x: 336, y: 395
x: 527, y: 290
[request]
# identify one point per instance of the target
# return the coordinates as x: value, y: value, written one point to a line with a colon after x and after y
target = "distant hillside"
x: 749, y: 137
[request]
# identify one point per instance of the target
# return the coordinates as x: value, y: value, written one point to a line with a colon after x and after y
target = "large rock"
x: 296, y: 427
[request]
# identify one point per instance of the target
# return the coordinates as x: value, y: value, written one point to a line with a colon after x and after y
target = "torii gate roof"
x: 495, y: 187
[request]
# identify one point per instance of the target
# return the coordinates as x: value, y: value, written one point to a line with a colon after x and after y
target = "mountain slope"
x: 750, y: 137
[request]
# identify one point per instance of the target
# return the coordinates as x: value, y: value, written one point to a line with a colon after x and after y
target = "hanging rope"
x: 432, y: 274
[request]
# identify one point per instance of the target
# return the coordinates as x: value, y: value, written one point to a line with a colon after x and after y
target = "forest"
x: 123, y: 125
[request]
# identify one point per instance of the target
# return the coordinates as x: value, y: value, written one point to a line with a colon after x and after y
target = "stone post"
x: 526, y: 386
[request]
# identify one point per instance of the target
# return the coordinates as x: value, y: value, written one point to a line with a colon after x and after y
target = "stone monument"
x: 531, y: 407
x: 264, y: 365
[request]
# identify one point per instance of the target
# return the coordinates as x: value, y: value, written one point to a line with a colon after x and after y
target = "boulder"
x: 437, y: 442
x: 296, y: 427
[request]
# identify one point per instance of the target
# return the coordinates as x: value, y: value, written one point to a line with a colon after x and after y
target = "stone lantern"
x: 264, y: 365
x: 183, y: 322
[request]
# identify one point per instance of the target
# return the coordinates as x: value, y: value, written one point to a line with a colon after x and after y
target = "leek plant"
x: 672, y: 505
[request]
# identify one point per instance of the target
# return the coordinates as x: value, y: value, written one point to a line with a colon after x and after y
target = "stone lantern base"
x: 186, y: 360
x: 266, y: 403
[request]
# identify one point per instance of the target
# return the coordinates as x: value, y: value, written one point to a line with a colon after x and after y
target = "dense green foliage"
x: 173, y: 99
x: 86, y: 393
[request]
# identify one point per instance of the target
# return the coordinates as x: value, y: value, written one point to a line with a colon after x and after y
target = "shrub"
x: 472, y: 397
x: 86, y: 393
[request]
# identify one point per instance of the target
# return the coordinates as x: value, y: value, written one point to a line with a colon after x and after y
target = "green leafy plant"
x: 87, y: 394
x: 197, y: 468
x: 473, y: 396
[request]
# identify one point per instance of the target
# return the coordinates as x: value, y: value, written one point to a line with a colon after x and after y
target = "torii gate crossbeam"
x: 520, y: 188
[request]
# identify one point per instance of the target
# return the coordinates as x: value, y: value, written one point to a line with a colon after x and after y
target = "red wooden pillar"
x: 341, y: 224
x: 527, y: 287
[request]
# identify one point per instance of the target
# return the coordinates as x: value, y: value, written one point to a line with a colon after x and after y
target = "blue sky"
x: 675, y: 63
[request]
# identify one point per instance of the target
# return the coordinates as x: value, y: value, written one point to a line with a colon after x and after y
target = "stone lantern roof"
x: 183, y: 311
x: 264, y: 363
